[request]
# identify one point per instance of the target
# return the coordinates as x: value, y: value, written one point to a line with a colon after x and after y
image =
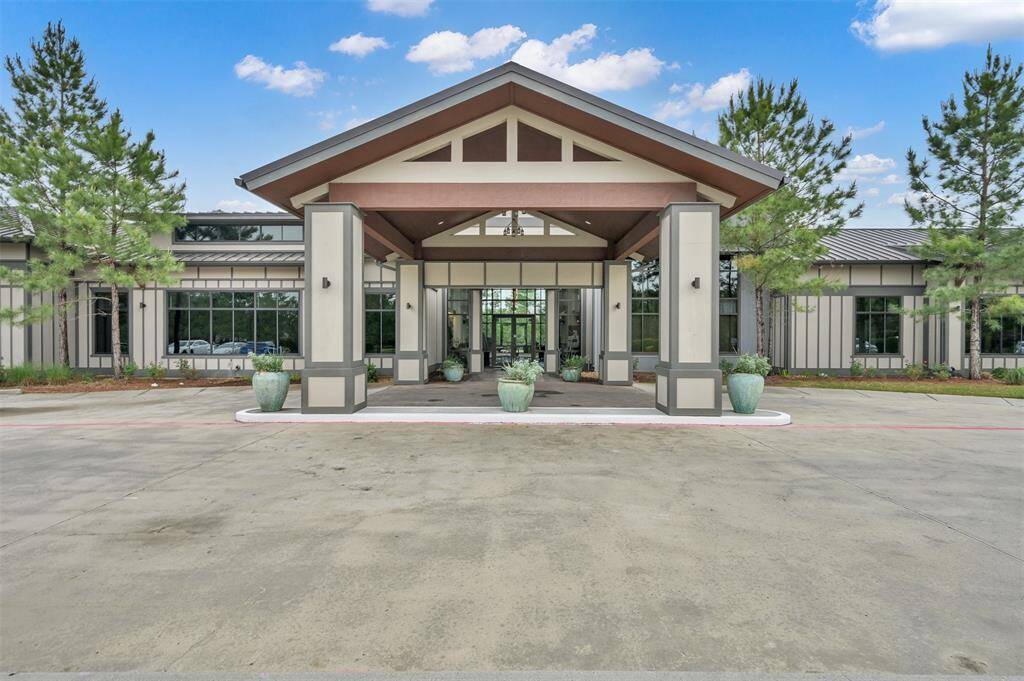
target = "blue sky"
x: 230, y: 86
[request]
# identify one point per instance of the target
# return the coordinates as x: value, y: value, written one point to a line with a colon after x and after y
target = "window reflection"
x: 232, y: 322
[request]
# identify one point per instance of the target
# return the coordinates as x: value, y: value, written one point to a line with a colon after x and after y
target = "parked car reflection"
x: 189, y: 347
x: 231, y: 348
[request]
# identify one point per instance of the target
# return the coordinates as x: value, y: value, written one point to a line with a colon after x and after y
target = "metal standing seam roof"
x: 14, y: 225
x: 241, y: 257
x: 874, y: 245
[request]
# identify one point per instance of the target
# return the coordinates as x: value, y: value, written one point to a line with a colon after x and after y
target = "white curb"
x: 536, y: 416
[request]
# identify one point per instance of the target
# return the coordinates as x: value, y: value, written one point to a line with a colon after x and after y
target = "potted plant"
x: 746, y: 382
x: 515, y: 389
x: 269, y: 381
x: 453, y: 369
x: 572, y: 367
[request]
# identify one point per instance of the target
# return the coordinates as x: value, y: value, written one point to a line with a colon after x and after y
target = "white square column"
x: 334, y: 373
x: 410, y: 323
x: 689, y: 380
x: 616, y: 321
x: 476, y: 339
x: 551, y: 340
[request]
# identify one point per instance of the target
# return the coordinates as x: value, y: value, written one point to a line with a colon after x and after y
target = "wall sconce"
x: 696, y: 282
x: 325, y: 282
x: 618, y: 306
x: 142, y: 306
x: 408, y: 306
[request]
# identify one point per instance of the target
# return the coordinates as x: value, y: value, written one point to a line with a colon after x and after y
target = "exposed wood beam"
x: 386, y: 234
x: 642, y: 233
x: 374, y: 248
x: 397, y: 196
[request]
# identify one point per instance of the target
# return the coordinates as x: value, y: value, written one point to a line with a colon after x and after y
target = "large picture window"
x: 877, y: 325
x: 570, y: 327
x: 380, y: 323
x: 646, y: 291
x: 102, y: 335
x: 240, y: 233
x: 728, y: 306
x: 999, y: 335
x: 232, y: 322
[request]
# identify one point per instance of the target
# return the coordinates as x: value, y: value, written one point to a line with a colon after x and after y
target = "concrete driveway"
x: 147, y: 531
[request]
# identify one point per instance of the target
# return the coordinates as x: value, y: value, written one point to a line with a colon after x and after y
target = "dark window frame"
x: 95, y: 296
x: 873, y: 315
x: 170, y: 308
x: 1007, y: 328
x: 380, y: 310
x: 178, y: 233
x: 728, y: 292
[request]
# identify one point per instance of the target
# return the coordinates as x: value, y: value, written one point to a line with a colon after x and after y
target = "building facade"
x: 508, y: 216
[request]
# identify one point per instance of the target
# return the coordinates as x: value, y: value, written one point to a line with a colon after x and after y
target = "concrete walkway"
x: 481, y: 390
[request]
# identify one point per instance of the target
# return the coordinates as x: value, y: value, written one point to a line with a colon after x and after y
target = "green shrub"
x: 856, y: 368
x: 155, y: 370
x: 371, y: 372
x: 726, y: 367
x: 296, y: 377
x: 1014, y: 376
x: 58, y: 374
x: 999, y: 373
x: 453, y: 362
x: 187, y: 370
x: 752, y: 364
x: 871, y: 372
x: 573, y: 362
x: 525, y: 370
x: 915, y: 372
x: 129, y: 368
x: 24, y: 374
x: 268, y: 363
x: 941, y: 372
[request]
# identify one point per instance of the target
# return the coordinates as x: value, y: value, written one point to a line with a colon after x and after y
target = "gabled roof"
x: 14, y: 225
x: 512, y: 84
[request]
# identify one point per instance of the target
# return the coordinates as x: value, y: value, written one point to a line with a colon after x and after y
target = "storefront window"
x: 232, y: 322
x: 380, y: 323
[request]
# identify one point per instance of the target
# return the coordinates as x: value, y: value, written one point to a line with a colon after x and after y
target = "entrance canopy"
x: 512, y: 139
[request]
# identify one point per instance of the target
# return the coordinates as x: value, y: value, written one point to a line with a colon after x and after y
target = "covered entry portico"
x: 416, y: 189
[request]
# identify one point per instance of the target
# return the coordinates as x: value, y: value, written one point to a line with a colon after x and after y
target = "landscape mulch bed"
x: 107, y: 384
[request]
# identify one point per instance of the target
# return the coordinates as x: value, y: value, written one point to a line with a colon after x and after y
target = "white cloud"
x: 236, y: 206
x: 355, y: 122
x: 898, y: 198
x: 403, y: 8
x: 866, y: 166
x: 697, y: 97
x: 451, y: 52
x: 300, y: 81
x: 891, y: 179
x: 359, y: 45
x: 607, y: 71
x: 900, y: 25
x: 862, y: 133
x: 871, y: 191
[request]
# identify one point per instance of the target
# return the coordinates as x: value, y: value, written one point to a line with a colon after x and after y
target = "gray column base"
x: 551, y: 361
x: 476, y: 361
x: 410, y: 368
x: 334, y: 390
x: 616, y: 368
x: 688, y: 390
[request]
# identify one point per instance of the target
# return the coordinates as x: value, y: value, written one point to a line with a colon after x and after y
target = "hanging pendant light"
x: 514, y: 228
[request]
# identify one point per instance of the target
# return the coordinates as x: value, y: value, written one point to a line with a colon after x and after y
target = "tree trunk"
x: 759, y: 316
x: 62, y: 328
x: 975, y: 338
x: 115, y: 330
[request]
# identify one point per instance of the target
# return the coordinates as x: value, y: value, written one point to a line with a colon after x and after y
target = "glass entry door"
x: 513, y: 337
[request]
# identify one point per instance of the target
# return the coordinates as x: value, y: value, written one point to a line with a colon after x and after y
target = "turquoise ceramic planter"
x: 571, y: 375
x: 454, y: 374
x: 745, y: 392
x: 271, y: 388
x: 515, y: 396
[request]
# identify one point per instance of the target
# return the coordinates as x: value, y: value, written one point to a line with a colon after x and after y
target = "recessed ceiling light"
x: 587, y: 221
x: 440, y: 222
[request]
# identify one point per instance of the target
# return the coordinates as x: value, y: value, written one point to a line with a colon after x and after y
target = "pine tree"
x: 130, y: 198
x: 969, y: 205
x: 779, y: 237
x: 53, y: 103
